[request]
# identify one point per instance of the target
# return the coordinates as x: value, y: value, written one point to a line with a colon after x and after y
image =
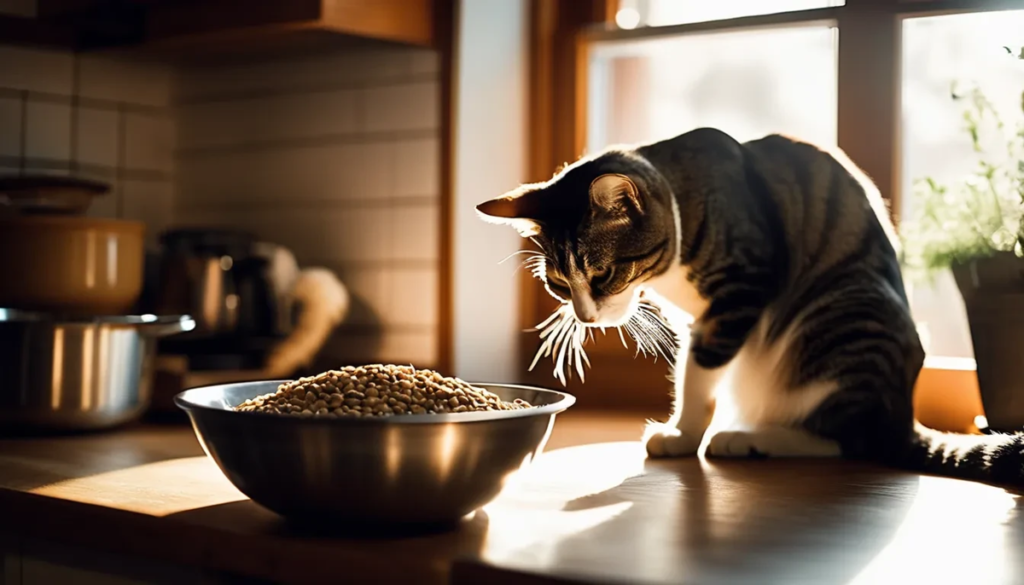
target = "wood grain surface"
x: 592, y: 509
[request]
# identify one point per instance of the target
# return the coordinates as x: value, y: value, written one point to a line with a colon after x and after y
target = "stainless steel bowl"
x: 83, y: 373
x: 409, y: 469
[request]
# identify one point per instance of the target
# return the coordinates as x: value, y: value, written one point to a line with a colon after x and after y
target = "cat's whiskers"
x: 563, y: 338
x: 659, y: 339
x: 534, y: 262
x: 518, y: 252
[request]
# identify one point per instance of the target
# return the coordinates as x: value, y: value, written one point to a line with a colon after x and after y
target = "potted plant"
x: 975, y: 227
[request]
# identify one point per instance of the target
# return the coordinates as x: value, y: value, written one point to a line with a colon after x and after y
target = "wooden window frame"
x: 868, y: 91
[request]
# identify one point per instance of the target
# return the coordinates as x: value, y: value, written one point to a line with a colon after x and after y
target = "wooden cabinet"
x: 405, y: 21
x: 172, y: 26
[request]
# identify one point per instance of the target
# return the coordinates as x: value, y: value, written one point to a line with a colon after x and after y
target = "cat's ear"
x: 520, y: 209
x: 615, y: 193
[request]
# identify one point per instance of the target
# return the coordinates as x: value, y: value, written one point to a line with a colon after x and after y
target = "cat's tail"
x: 996, y: 458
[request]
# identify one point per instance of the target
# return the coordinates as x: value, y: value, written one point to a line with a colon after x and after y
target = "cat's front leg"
x: 681, y: 436
x: 738, y: 297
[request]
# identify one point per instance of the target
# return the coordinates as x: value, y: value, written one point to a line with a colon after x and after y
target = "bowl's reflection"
x: 419, y: 469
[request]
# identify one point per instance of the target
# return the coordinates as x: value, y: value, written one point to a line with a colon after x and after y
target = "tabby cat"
x: 779, y: 261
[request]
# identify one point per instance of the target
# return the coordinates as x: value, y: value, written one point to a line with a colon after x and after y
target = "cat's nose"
x: 583, y: 304
x: 585, y: 312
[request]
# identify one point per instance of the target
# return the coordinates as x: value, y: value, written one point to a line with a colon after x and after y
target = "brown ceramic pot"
x: 69, y: 264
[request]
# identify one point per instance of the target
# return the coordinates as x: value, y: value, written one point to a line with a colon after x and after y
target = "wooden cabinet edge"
x: 166, y: 28
x: 403, y: 21
x: 408, y: 22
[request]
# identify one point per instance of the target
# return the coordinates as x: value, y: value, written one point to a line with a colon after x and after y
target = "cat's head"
x: 605, y: 226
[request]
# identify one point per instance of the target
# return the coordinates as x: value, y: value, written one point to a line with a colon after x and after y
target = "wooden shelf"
x: 185, y: 29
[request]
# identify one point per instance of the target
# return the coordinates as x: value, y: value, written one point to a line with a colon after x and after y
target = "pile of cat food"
x: 377, y: 390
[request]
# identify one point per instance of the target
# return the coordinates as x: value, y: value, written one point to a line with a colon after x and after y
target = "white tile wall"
x: 49, y: 130
x: 370, y: 287
x: 337, y: 157
x: 97, y: 136
x: 310, y: 174
x: 409, y: 348
x: 36, y: 70
x: 413, y: 297
x: 151, y: 202
x: 417, y: 164
x: 94, y: 117
x: 149, y: 142
x: 309, y: 74
x: 269, y: 119
x: 425, y: 62
x: 416, y: 233
x: 401, y: 107
x: 10, y: 122
x: 355, y: 235
x: 139, y: 83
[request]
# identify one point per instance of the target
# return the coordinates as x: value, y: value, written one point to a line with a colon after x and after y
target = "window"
x: 747, y: 83
x: 634, y: 13
x: 942, y: 54
x: 776, y: 71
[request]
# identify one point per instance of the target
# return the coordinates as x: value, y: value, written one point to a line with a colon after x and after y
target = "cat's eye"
x: 601, y: 276
x: 554, y: 277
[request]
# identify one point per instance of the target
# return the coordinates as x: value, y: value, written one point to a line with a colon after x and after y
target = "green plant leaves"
x: 976, y: 216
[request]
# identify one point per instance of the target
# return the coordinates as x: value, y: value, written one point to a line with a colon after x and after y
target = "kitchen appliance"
x: 399, y: 470
x: 76, y: 373
x: 242, y: 293
x: 258, y: 315
x: 216, y: 275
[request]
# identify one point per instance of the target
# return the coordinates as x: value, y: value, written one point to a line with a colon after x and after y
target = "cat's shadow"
x: 743, y: 521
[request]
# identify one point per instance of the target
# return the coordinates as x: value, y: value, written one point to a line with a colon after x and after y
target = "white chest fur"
x: 757, y: 388
x: 674, y: 287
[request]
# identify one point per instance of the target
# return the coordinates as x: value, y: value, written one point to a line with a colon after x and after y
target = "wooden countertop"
x: 591, y: 510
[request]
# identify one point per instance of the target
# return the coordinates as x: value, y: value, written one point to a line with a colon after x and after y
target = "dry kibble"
x: 377, y: 390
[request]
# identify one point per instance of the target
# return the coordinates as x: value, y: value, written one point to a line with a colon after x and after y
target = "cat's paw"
x: 771, y: 442
x: 667, y: 441
x: 736, y: 444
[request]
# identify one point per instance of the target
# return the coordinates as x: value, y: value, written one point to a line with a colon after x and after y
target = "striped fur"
x: 780, y: 260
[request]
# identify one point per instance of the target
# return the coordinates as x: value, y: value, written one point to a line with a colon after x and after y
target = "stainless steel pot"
x: 83, y: 373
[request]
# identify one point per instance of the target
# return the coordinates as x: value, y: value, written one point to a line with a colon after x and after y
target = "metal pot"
x: 48, y: 194
x: 82, y: 373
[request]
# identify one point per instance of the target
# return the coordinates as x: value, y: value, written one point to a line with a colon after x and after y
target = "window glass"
x: 634, y: 13
x: 943, y: 55
x: 747, y: 83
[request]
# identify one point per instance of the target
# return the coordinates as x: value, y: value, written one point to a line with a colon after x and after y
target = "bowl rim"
x: 183, y: 401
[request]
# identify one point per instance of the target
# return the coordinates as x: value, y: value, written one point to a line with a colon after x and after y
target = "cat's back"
x: 830, y: 209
